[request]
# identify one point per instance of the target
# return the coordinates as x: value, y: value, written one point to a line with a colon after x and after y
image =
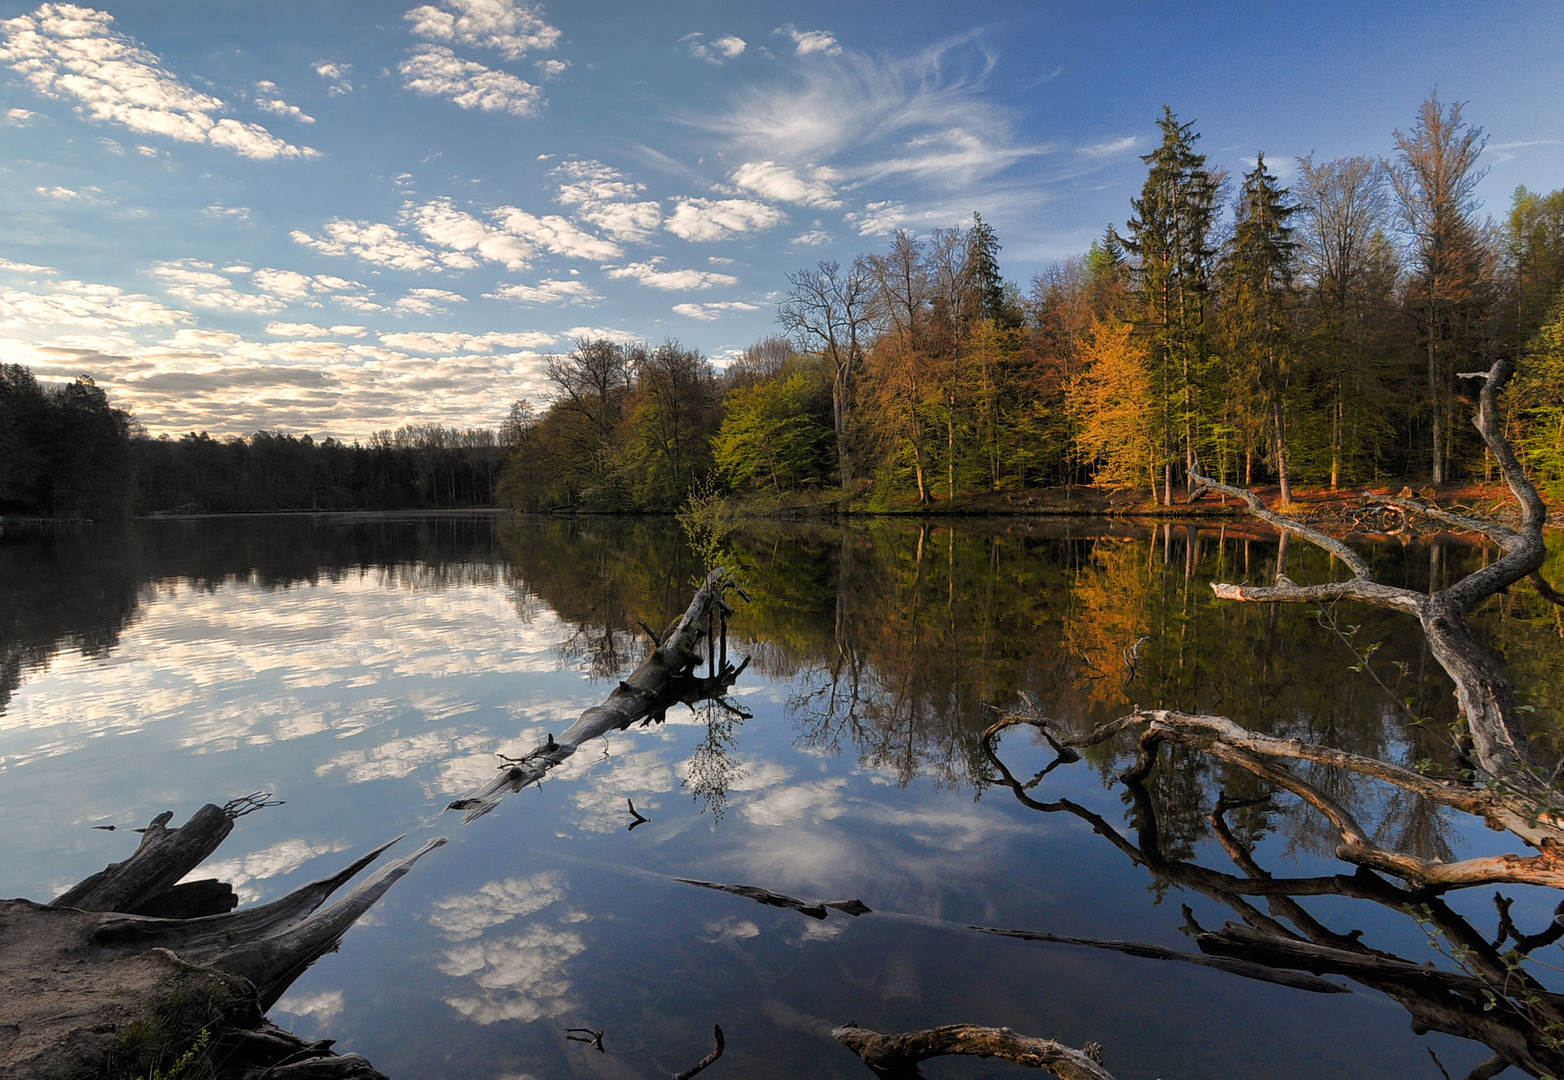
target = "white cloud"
x: 513, y: 29
x: 552, y: 69
x: 323, y: 1006
x: 375, y: 242
x: 519, y: 978
x: 274, y: 861
x: 647, y: 273
x: 81, y: 304
x: 442, y: 224
x: 294, y: 329
x: 810, y: 41
x: 25, y: 268
x: 63, y: 193
x: 436, y: 71
x: 716, y: 51
x: 292, y: 285
x: 929, y: 116
x: 772, y: 181
x: 427, y: 301
x: 609, y: 200
x: 19, y: 116
x: 450, y: 343
x: 812, y: 238
x: 555, y: 234
x: 1109, y: 148
x: 718, y: 219
x: 337, y: 74
x: 878, y: 218
x: 278, y: 106
x: 712, y: 312
x: 595, y: 333
x: 548, y: 291
x: 201, y: 284
x: 468, y: 915
x: 66, y: 51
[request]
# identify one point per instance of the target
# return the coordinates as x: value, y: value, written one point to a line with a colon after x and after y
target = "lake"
x: 368, y: 668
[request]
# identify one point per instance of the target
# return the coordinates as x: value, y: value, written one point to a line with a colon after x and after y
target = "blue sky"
x: 334, y: 217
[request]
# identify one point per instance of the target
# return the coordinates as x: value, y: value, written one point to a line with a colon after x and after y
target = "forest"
x: 1315, y: 335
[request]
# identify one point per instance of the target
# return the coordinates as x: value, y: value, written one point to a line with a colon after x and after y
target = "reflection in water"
x: 889, y: 641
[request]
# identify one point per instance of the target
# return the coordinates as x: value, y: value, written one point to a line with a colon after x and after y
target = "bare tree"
x: 1435, y: 180
x: 827, y: 310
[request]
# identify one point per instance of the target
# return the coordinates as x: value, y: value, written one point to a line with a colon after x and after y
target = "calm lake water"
x: 368, y: 669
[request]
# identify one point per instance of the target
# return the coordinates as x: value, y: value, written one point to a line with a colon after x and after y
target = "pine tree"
x: 1256, y: 276
x: 1170, y: 241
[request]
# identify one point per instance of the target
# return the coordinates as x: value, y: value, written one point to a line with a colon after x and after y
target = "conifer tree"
x: 1170, y: 241
x: 1256, y: 276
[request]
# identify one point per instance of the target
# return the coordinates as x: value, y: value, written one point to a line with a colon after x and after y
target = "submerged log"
x: 775, y: 899
x: 664, y: 679
x: 76, y: 971
x: 896, y: 1057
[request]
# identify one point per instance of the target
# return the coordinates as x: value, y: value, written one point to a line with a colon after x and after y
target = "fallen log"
x: 775, y: 899
x: 664, y: 679
x: 86, y: 978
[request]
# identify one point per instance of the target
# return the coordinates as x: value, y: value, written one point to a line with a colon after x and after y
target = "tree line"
x: 1314, y: 334
x: 66, y: 452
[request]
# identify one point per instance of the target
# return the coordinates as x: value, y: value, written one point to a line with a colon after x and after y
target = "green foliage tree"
x: 777, y: 433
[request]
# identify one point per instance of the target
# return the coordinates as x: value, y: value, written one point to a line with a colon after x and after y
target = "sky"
x: 332, y: 217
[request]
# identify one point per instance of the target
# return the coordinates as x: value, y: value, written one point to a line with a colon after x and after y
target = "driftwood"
x: 92, y: 961
x: 896, y: 1057
x: 667, y: 677
x: 816, y: 910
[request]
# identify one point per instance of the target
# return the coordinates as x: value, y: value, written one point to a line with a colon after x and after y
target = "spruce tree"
x: 1170, y: 242
x: 1256, y: 276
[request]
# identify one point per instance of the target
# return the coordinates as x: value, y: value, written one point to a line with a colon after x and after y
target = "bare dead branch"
x: 721, y: 1045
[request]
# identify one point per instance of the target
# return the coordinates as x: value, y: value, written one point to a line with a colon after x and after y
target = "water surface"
x: 367, y: 669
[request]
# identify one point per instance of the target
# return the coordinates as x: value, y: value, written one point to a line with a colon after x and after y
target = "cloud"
x: 928, y: 116
x: 80, y: 304
x: 772, y: 181
x: 552, y: 69
x: 468, y: 915
x: 62, y: 193
x: 712, y: 312
x: 295, y: 329
x: 511, y: 28
x: 66, y: 51
x: 426, y: 301
x: 451, y: 343
x: 442, y: 224
x: 1109, y: 148
x: 274, y: 861
x: 19, y: 116
x: 812, y: 238
x: 436, y: 71
x: 278, y: 106
x: 555, y: 234
x: 25, y: 268
x: 337, y: 74
x: 810, y: 41
x: 292, y: 285
x: 323, y: 1006
x: 377, y: 243
x: 522, y: 977
x: 718, y: 219
x: 878, y: 218
x: 609, y: 200
x: 647, y: 273
x: 716, y: 51
x: 548, y: 291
